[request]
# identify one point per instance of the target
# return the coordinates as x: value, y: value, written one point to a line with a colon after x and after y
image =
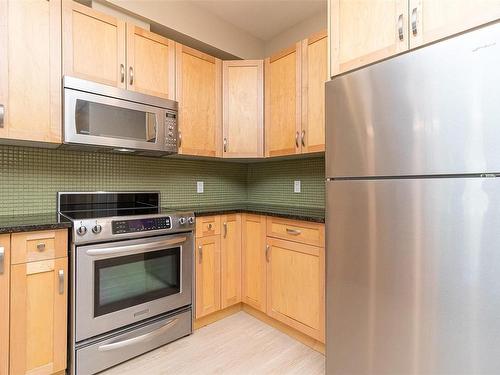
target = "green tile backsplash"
x: 31, y: 177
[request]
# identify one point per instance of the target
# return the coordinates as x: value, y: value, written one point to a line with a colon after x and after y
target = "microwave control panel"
x: 171, y: 129
x: 141, y: 225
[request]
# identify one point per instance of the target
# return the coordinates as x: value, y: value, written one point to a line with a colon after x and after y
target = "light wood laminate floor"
x: 239, y: 344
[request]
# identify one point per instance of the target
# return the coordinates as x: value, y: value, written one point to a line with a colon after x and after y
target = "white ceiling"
x: 264, y: 19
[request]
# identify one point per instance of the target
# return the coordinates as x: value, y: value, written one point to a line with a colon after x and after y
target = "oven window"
x: 114, y: 122
x: 134, y: 279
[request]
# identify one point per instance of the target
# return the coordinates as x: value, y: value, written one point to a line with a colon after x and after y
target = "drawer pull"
x: 294, y: 232
x: 209, y: 226
x: 40, y: 247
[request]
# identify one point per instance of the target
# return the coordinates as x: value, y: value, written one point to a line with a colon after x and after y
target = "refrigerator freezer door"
x: 434, y: 110
x: 413, y: 276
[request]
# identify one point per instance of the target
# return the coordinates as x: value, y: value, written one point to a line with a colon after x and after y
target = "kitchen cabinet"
x: 254, y: 254
x: 283, y: 102
x: 230, y: 260
x: 151, y: 63
x: 365, y: 31
x: 243, y: 112
x: 431, y: 20
x: 199, y: 93
x: 93, y: 45
x: 314, y: 76
x: 30, y: 71
x: 295, y: 286
x: 4, y: 302
x: 207, y: 269
x: 38, y: 310
x: 102, y: 48
x: 298, y: 231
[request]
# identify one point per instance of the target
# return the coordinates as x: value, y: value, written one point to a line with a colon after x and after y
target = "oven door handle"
x: 139, y: 339
x: 139, y: 247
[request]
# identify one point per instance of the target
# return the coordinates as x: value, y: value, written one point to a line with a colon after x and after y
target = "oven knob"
x: 182, y: 221
x: 97, y: 229
x: 82, y: 230
x: 191, y: 220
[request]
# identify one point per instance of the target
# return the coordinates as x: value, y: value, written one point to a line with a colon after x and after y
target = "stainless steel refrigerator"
x: 413, y: 212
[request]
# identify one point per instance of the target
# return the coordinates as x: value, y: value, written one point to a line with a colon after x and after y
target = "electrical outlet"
x: 296, y: 186
x: 199, y: 186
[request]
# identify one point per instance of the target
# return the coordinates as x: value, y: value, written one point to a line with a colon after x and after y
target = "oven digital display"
x: 141, y: 225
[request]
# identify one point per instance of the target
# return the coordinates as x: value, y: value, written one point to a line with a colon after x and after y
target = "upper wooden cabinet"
x: 93, y: 45
x: 230, y: 260
x: 283, y: 102
x: 314, y: 76
x: 105, y: 49
x: 4, y: 302
x: 30, y: 71
x: 431, y: 20
x: 199, y: 93
x: 151, y: 63
x: 243, y: 114
x: 364, y: 31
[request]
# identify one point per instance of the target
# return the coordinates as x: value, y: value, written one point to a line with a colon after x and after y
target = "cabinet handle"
x: 225, y: 144
x: 122, y: 73
x: 61, y: 281
x: 303, y: 138
x: 267, y: 253
x: 414, y: 15
x: 179, y: 134
x: 225, y: 229
x: 200, y: 253
x: 400, y: 27
x: 295, y: 232
x: 40, y: 247
x: 296, y: 139
x: 210, y: 226
x: 2, y: 259
x: 131, y: 74
x: 2, y: 114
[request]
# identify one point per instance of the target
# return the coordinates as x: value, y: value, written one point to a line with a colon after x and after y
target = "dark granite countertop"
x: 25, y: 223
x: 313, y: 214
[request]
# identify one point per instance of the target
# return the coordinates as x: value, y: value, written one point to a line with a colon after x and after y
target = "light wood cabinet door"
x: 314, y: 76
x: 30, y: 70
x: 207, y: 275
x: 364, y: 31
x: 199, y: 93
x: 38, y: 340
x: 230, y: 260
x: 243, y: 108
x: 296, y: 286
x: 431, y: 20
x: 283, y: 102
x: 254, y: 261
x: 4, y: 302
x: 93, y: 45
x: 150, y: 63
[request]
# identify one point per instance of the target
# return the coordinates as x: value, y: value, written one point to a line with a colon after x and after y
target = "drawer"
x: 207, y: 226
x: 35, y: 246
x: 297, y: 231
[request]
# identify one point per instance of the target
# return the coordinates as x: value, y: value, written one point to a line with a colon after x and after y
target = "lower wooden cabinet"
x: 4, y: 302
x: 207, y: 271
x: 295, y: 286
x: 230, y: 260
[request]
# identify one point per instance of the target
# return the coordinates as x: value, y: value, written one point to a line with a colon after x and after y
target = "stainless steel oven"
x: 123, y: 282
x: 102, y: 116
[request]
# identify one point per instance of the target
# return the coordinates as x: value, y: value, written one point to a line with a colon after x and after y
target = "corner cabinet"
x: 30, y: 71
x: 243, y: 112
x: 105, y: 49
x: 199, y: 93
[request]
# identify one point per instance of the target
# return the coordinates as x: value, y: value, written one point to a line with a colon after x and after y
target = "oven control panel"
x: 141, y: 225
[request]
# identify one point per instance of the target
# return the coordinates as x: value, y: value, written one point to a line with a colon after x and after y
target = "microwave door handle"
x: 138, y: 247
x: 139, y: 339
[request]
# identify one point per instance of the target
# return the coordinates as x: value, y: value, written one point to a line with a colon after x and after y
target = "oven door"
x: 123, y: 282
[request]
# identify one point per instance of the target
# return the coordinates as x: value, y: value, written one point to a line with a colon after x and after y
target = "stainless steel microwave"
x: 115, y: 119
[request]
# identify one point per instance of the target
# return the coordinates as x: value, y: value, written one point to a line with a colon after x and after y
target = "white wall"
x: 187, y: 19
x: 297, y: 32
